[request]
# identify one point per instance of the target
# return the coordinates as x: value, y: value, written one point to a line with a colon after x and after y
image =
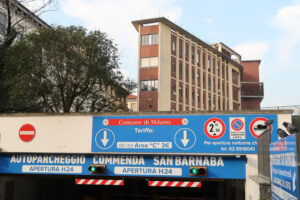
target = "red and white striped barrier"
x: 98, y: 182
x: 174, y: 184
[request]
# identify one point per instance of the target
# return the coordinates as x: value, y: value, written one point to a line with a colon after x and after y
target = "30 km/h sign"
x: 27, y: 132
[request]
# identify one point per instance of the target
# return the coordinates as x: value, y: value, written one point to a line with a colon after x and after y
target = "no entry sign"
x: 27, y: 132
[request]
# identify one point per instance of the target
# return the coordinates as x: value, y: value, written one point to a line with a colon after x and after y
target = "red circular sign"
x: 253, y: 124
x: 214, y: 128
x: 237, y: 124
x: 27, y: 132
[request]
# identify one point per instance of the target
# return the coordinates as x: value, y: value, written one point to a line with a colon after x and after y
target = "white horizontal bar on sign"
x: 52, y: 169
x: 99, y: 182
x: 155, y: 171
x: 144, y: 145
x: 192, y: 184
x: 26, y: 132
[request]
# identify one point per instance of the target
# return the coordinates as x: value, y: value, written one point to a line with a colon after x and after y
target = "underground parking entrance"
x: 94, y: 176
x: 62, y: 188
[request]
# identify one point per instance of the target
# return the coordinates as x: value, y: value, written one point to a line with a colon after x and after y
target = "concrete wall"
x: 164, y: 68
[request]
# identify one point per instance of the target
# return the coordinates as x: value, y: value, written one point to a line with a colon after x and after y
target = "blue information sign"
x: 284, y: 171
x: 218, y: 167
x: 221, y: 134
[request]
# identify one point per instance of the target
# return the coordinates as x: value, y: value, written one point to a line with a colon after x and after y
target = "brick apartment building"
x: 180, y: 72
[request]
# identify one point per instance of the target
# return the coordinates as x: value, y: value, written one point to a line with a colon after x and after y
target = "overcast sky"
x: 268, y: 30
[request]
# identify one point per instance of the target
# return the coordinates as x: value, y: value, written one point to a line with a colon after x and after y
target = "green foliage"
x: 64, y: 70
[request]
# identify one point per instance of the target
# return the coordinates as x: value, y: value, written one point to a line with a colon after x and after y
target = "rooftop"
x: 132, y: 96
x: 175, y: 27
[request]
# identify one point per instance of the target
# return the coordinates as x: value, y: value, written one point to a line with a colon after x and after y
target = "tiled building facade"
x: 179, y: 72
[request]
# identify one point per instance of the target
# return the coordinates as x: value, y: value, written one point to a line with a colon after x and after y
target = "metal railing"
x: 252, y: 89
x: 263, y: 154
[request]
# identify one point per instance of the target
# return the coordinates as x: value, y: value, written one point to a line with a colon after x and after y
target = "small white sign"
x: 52, y: 169
x: 148, y: 171
x: 144, y: 145
x: 237, y: 128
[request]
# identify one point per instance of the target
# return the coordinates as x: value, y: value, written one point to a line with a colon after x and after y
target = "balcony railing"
x: 252, y: 89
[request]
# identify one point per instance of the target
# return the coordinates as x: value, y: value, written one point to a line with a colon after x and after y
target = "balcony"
x: 252, y: 90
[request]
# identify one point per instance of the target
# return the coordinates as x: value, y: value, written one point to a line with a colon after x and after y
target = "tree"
x: 15, y: 13
x: 65, y: 70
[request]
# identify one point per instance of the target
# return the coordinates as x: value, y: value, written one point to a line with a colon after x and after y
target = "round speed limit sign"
x: 214, y: 128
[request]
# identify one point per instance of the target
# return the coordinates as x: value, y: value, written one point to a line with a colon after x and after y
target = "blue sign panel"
x: 123, y: 165
x: 283, y: 160
x: 224, y: 134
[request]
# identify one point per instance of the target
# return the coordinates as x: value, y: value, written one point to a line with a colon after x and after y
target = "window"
x: 208, y: 63
x: 186, y: 51
x: 174, y: 67
x: 193, y: 74
x: 203, y: 59
x: 213, y: 69
x: 187, y: 73
x: 197, y: 58
x: 150, y: 85
x: 19, y: 37
x: 145, y: 39
x: 149, y: 62
x: 180, y: 69
x: 2, y: 23
x: 234, y: 75
x: 186, y: 93
x: 180, y: 48
x: 154, y: 39
x: 173, y: 89
x: 193, y: 56
x: 173, y: 45
x: 193, y: 96
x: 180, y: 91
x: 149, y: 39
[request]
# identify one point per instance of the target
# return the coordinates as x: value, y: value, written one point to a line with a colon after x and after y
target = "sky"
x: 268, y: 30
